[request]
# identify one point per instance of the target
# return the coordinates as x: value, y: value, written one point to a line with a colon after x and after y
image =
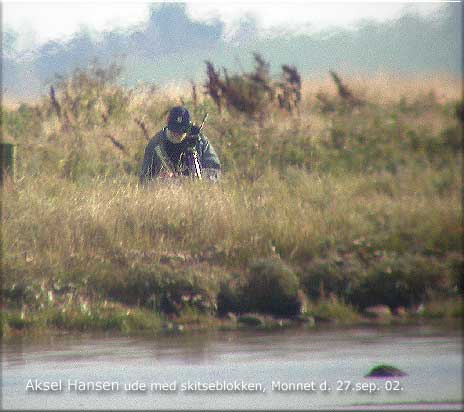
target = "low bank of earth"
x: 117, y: 318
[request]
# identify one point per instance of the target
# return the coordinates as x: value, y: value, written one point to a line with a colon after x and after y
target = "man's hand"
x: 166, y: 175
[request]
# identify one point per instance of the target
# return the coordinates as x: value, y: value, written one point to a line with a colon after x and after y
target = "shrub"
x: 404, y: 280
x: 333, y: 276
x: 249, y: 93
x: 272, y: 287
x: 346, y: 95
x: 332, y: 310
x: 459, y: 111
x: 89, y: 97
x: 159, y: 288
x: 99, y: 316
x: 254, y: 93
x: 451, y: 138
x: 15, y: 321
x: 22, y: 124
x: 231, y: 296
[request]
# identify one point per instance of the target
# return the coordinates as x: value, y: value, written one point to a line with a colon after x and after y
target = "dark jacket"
x: 160, y: 148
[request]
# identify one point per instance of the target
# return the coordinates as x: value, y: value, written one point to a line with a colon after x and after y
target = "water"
x: 336, y: 358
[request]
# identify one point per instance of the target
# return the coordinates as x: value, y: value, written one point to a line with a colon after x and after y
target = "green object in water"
x: 385, y: 371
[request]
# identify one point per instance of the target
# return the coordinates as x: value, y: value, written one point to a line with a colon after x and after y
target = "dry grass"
x: 384, y: 87
x: 111, y: 220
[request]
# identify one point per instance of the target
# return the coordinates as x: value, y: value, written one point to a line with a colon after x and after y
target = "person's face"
x: 176, y: 137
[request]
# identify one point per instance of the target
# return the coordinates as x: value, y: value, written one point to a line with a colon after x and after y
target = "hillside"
x: 323, y: 210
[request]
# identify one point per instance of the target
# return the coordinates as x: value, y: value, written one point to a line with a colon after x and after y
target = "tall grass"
x: 354, y: 201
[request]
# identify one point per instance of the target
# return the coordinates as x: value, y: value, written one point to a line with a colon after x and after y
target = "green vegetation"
x: 320, y: 214
x: 270, y: 287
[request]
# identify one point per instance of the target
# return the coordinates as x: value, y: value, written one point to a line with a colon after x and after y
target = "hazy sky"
x: 37, y: 22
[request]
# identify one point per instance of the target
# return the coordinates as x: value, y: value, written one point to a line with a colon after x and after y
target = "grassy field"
x: 320, y: 213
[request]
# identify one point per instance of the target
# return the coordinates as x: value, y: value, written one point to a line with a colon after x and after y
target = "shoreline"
x: 251, y: 322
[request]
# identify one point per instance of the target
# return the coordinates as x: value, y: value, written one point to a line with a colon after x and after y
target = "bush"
x: 99, y: 316
x: 459, y: 110
x: 254, y: 93
x: 158, y: 288
x: 272, y: 287
x: 89, y: 97
x: 405, y: 280
x: 392, y: 280
x: 14, y: 321
x: 332, y: 310
x: 231, y: 296
x: 249, y: 93
x: 333, y: 276
x: 22, y: 124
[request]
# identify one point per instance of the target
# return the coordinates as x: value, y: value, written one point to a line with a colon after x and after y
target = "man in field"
x: 166, y: 154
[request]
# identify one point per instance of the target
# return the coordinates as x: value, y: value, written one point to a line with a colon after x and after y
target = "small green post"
x: 7, y: 160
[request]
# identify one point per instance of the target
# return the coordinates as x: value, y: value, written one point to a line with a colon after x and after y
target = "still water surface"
x: 254, y: 363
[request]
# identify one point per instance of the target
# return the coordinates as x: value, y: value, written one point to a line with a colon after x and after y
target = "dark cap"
x: 179, y: 119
